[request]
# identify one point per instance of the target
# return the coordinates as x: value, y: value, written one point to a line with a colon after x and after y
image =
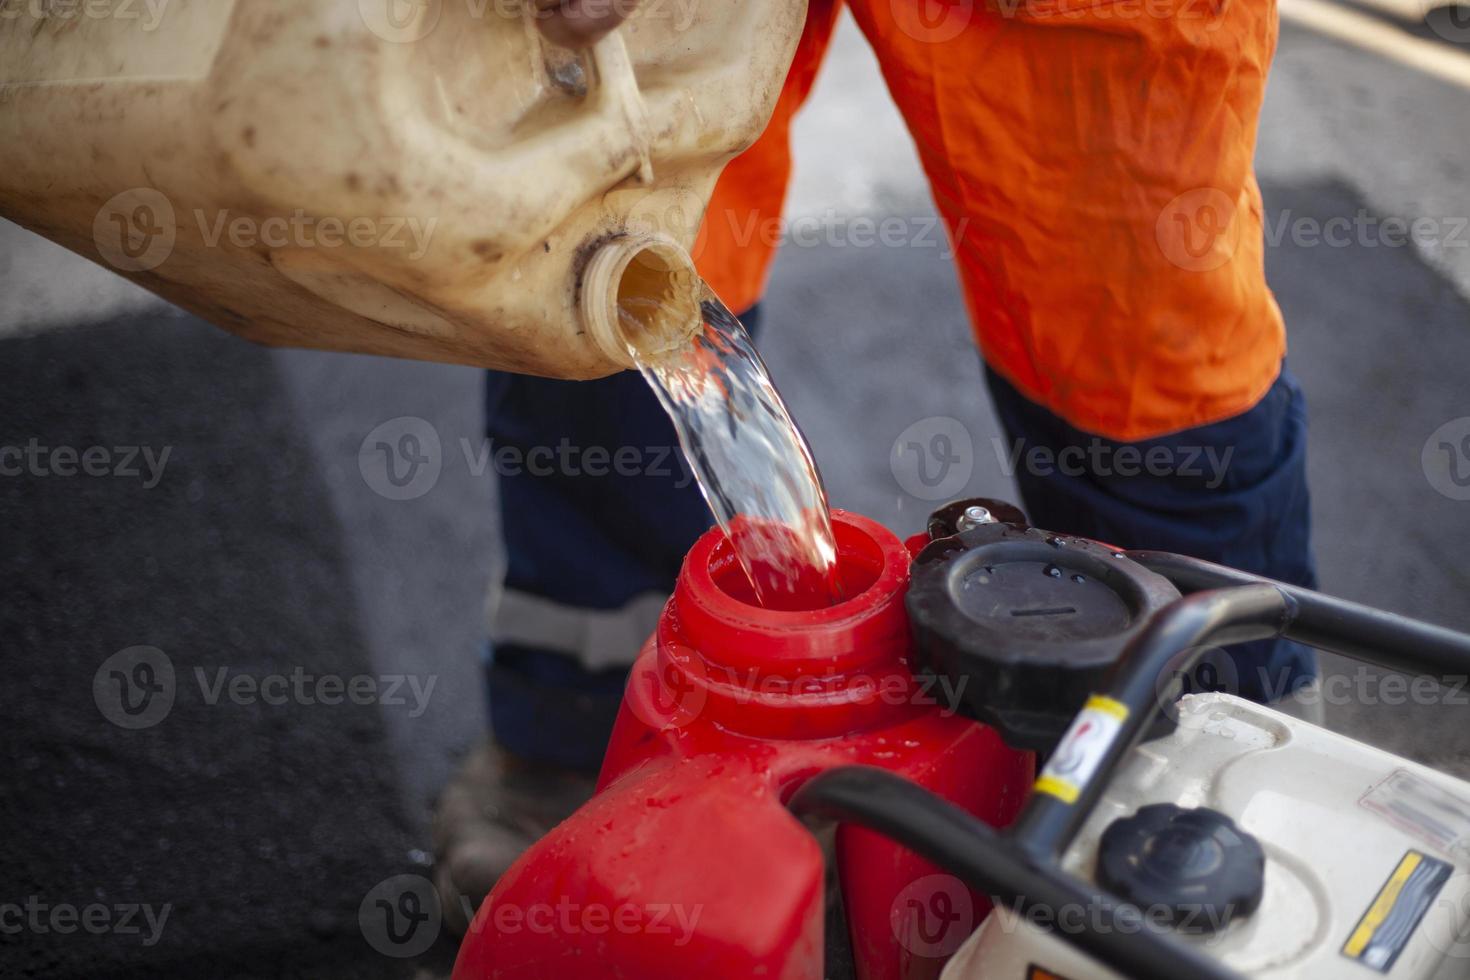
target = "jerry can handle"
x: 616, y: 91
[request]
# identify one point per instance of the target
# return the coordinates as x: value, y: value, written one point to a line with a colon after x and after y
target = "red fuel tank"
x: 686, y: 863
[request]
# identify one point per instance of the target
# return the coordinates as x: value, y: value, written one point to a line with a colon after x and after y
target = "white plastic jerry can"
x: 421, y: 178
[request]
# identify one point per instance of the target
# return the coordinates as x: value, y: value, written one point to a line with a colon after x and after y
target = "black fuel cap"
x: 1025, y: 622
x: 1194, y: 867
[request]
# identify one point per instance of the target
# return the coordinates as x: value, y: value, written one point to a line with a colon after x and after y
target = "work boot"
x: 496, y: 806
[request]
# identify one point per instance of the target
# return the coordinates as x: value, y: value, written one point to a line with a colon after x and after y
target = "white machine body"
x: 1367, y: 855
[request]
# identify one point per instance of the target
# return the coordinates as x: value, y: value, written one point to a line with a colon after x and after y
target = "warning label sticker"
x: 1416, y: 806
x: 1389, y: 923
x: 1081, y: 750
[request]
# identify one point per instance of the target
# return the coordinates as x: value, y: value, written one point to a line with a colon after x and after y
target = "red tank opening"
x: 860, y: 560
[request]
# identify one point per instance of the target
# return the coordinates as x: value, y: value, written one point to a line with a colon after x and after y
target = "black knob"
x: 1195, y: 868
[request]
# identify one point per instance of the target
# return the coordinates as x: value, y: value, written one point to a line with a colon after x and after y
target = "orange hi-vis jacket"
x: 1092, y: 162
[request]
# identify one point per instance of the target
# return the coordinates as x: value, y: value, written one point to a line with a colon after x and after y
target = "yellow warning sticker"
x: 1082, y: 749
x: 1034, y: 972
x: 1388, y: 924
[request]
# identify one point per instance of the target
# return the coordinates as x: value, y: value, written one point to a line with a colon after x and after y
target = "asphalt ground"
x: 264, y: 809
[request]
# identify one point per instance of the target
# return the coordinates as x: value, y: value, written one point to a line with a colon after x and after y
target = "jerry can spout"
x: 640, y: 293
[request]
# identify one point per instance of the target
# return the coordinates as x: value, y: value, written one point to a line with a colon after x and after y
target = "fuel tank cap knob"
x: 1195, y: 868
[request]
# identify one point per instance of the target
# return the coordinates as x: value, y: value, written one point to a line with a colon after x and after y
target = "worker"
x: 1092, y: 160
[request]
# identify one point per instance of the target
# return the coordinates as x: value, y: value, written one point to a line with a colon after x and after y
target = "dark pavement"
x: 264, y: 550
x: 260, y: 826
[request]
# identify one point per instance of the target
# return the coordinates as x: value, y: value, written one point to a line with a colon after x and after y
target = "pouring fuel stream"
x: 752, y: 462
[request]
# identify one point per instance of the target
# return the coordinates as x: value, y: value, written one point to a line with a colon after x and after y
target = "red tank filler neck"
x: 808, y: 673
